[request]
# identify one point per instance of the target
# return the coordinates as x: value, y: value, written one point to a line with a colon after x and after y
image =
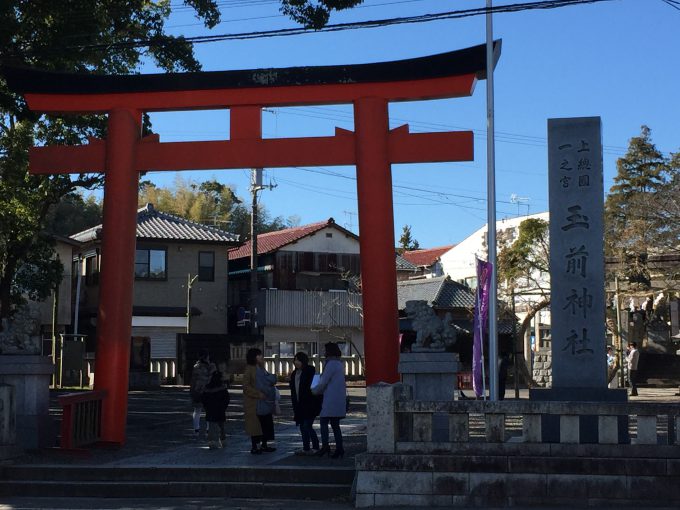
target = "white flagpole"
x: 491, y: 206
x: 480, y: 326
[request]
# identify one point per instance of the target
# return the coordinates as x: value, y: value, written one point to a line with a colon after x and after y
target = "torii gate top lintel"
x: 450, y: 74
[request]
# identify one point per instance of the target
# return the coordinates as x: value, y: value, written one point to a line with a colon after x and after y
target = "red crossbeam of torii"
x: 372, y: 147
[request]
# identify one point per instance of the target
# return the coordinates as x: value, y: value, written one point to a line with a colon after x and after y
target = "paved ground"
x: 160, y: 434
x: 215, y: 504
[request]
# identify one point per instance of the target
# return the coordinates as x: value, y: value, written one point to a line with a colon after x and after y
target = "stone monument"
x: 428, y: 370
x: 579, y: 369
x: 29, y: 373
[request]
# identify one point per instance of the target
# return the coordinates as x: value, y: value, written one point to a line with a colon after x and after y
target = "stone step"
x: 158, y: 489
x: 180, y: 474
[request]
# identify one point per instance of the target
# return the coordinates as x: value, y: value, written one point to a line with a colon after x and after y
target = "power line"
x: 673, y: 3
x: 362, y: 6
x: 463, y: 13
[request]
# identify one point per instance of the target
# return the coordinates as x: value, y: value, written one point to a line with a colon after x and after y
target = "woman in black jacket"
x: 306, y: 407
x: 216, y: 400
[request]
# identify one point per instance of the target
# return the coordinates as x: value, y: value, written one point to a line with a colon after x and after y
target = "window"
x: 150, y: 264
x: 206, y: 266
x: 91, y: 271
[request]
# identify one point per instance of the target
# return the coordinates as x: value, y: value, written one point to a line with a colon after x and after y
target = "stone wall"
x: 542, y: 368
x: 30, y: 378
x: 8, y: 438
x: 405, y: 465
x: 529, y: 475
x: 21, y: 333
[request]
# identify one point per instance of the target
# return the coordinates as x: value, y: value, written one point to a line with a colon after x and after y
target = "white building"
x: 459, y: 264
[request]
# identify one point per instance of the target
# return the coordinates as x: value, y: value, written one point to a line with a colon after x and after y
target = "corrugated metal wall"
x: 163, y: 340
x: 302, y: 308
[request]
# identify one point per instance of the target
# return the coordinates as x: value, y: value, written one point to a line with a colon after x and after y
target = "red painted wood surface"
x: 336, y: 150
x: 114, y: 318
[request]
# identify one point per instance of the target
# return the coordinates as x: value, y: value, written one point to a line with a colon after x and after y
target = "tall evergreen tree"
x: 406, y: 241
x: 631, y: 229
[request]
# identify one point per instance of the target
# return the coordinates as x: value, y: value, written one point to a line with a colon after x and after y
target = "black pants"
x: 267, y: 426
x: 632, y: 378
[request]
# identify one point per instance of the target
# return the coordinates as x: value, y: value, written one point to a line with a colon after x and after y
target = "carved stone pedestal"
x: 432, y: 377
x: 30, y: 376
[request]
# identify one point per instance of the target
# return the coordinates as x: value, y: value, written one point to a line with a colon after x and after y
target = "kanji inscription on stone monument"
x: 576, y: 252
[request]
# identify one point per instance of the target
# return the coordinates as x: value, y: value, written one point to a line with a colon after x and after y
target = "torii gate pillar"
x: 376, y: 235
x: 114, y: 318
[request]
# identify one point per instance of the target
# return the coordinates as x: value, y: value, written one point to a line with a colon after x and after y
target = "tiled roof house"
x: 170, y: 251
x: 427, y: 261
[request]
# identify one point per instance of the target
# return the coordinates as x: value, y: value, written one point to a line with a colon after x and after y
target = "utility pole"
x: 255, y: 186
x: 190, y: 282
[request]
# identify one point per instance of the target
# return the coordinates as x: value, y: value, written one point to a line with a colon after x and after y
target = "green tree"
x: 315, y: 13
x: 635, y: 208
x: 666, y: 219
x: 240, y: 221
x: 523, y: 274
x: 209, y: 202
x: 92, y: 36
x: 68, y: 35
x: 406, y: 241
x: 73, y: 214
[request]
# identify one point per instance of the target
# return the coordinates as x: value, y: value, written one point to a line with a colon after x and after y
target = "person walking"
x: 259, y: 395
x: 200, y: 376
x: 332, y: 387
x: 306, y: 406
x: 632, y: 358
x: 215, y: 402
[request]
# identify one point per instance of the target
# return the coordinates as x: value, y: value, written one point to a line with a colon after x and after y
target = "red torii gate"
x: 373, y: 147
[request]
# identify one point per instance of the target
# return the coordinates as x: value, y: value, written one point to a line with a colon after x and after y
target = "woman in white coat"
x: 332, y: 387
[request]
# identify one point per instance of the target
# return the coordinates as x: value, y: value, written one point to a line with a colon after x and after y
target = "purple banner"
x: 481, y: 327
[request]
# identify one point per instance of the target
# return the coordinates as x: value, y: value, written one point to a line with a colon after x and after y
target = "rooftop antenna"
x: 516, y: 199
x: 349, y: 225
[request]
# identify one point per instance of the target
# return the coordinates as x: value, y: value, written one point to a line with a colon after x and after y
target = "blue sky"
x: 616, y: 59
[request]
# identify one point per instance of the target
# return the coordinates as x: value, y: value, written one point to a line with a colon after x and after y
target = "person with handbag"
x: 332, y: 387
x: 259, y: 396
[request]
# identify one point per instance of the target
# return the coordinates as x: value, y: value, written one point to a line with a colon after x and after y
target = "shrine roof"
x: 440, y: 292
x: 454, y: 63
x: 154, y: 224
